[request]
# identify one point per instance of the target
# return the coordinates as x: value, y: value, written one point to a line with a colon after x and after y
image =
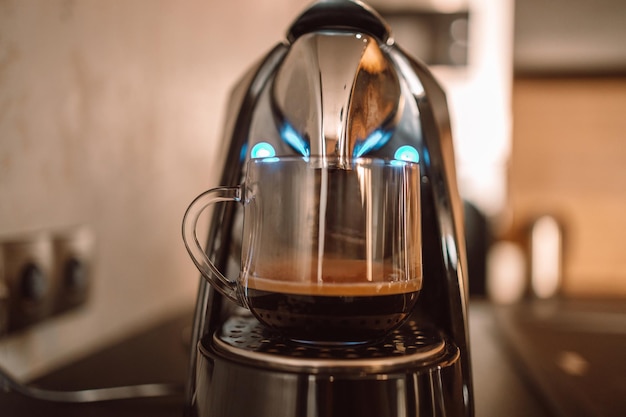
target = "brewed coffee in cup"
x: 346, y: 308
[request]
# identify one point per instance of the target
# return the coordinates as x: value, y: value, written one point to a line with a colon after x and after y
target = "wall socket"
x: 43, y: 275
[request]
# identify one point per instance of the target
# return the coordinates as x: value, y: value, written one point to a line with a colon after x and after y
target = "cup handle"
x: 190, y: 236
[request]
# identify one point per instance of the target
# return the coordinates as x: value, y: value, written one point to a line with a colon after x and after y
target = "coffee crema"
x: 339, y: 277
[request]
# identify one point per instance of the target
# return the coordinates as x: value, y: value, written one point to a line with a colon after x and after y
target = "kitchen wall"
x: 110, y: 114
x: 569, y: 96
x: 568, y: 153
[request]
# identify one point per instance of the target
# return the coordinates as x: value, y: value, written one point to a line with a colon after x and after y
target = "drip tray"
x: 244, y: 339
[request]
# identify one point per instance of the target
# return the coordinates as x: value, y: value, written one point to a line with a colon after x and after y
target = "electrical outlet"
x: 27, y: 274
x: 73, y: 260
x: 44, y: 274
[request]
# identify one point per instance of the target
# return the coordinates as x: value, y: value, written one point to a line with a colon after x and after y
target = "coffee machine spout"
x: 336, y: 95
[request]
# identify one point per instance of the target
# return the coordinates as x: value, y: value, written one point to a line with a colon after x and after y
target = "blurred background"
x: 111, y: 114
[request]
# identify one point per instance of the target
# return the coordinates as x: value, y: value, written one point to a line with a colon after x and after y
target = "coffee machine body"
x: 339, y: 86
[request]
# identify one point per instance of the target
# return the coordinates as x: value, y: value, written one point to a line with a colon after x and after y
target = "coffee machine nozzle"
x: 339, y: 86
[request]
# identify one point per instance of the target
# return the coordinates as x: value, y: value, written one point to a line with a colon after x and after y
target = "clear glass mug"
x: 330, y: 253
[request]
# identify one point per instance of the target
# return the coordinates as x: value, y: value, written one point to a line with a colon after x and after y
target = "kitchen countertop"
x: 155, y: 355
x: 160, y: 354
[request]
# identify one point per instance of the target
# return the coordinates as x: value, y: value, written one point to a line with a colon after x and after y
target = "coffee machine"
x: 338, y: 86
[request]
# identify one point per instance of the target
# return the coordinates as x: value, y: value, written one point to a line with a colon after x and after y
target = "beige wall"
x: 569, y: 159
x: 110, y: 113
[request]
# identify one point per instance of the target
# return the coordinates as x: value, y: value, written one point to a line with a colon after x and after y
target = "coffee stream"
x: 322, y: 221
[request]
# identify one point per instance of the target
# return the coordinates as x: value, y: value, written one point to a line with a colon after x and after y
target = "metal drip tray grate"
x: 248, y: 340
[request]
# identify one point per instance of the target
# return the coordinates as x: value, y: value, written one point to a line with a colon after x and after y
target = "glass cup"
x: 331, y: 253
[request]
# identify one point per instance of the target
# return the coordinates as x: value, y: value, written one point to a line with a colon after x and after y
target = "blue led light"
x: 407, y: 153
x: 426, y: 157
x: 294, y: 139
x: 376, y: 140
x: 262, y: 150
x: 244, y: 152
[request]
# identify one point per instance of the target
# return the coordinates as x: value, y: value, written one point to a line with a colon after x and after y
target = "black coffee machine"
x: 339, y: 86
